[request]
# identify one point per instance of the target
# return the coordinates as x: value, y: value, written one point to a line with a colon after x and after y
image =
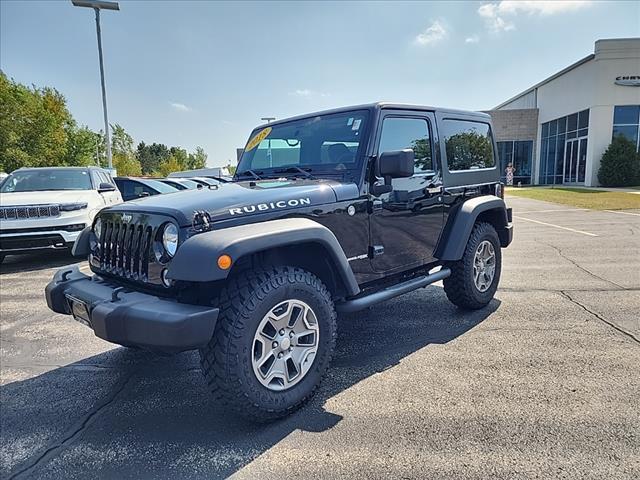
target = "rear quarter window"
x: 469, y: 145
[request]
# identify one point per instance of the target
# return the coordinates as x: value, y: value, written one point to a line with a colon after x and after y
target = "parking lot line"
x: 555, y: 226
x: 557, y: 210
x: 623, y: 213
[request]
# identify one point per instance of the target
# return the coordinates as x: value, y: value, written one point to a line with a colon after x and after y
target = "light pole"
x: 98, y: 5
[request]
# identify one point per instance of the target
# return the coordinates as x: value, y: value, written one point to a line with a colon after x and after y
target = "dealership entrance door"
x: 575, y: 160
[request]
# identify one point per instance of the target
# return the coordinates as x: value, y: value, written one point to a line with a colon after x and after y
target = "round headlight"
x: 170, y: 239
x: 97, y: 228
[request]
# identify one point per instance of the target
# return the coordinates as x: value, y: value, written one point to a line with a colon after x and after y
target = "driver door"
x: 406, y: 223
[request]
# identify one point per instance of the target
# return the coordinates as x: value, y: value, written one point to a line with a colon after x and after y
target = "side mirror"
x: 106, y: 187
x: 395, y: 164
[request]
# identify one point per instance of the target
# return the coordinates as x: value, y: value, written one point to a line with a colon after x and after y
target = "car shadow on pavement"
x: 127, y: 413
x: 37, y: 261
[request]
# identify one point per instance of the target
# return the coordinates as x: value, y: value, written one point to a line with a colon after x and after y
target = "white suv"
x: 47, y: 208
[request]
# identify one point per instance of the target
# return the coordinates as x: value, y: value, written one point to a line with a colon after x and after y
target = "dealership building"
x: 556, y: 131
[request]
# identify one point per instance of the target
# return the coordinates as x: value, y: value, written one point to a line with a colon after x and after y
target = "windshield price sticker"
x: 258, y: 137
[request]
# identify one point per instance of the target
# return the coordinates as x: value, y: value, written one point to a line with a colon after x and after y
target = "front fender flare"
x: 196, y: 258
x: 452, y: 244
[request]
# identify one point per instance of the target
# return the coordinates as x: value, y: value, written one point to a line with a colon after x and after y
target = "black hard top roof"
x: 380, y: 106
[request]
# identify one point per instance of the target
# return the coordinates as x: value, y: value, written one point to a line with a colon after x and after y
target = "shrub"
x: 620, y: 164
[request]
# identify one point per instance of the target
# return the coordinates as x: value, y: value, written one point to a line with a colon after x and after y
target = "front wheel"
x: 474, y: 278
x: 273, y: 342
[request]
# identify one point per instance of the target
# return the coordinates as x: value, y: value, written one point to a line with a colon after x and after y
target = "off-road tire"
x: 459, y: 286
x: 226, y: 360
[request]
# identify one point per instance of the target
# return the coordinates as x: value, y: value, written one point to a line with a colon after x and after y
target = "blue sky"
x: 203, y: 73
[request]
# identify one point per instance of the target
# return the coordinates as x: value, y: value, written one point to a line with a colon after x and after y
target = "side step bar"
x: 361, y: 303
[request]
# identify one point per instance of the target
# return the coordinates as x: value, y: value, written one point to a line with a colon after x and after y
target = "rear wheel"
x: 474, y: 278
x: 272, y: 343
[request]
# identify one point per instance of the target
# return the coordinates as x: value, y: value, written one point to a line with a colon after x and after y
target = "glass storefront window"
x: 626, y: 115
x: 557, y: 162
x: 519, y: 154
x: 626, y: 122
x: 562, y: 125
x: 583, y: 119
x: 629, y: 131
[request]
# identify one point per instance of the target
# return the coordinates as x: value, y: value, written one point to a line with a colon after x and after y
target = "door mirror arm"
x: 386, y: 187
x: 394, y: 164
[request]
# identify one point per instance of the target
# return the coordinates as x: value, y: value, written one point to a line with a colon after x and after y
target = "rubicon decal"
x: 263, y: 207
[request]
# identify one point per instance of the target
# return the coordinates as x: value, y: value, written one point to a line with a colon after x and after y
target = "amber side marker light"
x: 224, y: 262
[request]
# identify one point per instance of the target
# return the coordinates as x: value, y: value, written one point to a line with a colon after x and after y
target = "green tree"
x: 151, y: 156
x: 124, y: 159
x: 181, y: 156
x: 34, y: 125
x: 620, y: 164
x: 197, y: 160
x: 121, y: 141
x: 126, y: 166
x: 169, y: 165
x: 84, y: 147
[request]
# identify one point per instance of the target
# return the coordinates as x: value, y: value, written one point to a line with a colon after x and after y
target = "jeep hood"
x: 242, y: 199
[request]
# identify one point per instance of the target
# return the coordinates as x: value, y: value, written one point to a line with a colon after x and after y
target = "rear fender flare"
x: 453, y: 242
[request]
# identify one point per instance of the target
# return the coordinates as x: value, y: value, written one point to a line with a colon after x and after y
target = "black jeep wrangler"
x: 328, y: 212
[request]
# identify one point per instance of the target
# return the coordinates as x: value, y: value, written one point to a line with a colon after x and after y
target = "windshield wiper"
x: 293, y: 168
x: 252, y: 173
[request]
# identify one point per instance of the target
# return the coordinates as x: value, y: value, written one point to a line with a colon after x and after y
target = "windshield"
x: 190, y: 184
x: 159, y: 186
x: 325, y: 143
x: 46, y: 179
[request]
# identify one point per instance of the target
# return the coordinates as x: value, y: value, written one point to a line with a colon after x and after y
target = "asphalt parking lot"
x: 544, y: 383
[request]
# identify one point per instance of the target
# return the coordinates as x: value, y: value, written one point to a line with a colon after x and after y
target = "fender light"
x: 224, y: 262
x: 500, y: 190
x: 69, y: 207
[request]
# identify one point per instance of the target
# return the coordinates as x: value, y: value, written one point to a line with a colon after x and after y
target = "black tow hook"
x: 114, y: 294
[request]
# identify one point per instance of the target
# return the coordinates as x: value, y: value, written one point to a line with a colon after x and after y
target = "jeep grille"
x: 126, y: 249
x: 29, y: 211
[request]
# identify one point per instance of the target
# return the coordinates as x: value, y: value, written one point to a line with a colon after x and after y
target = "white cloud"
x: 542, y: 7
x: 495, y: 13
x: 306, y: 93
x: 181, y: 107
x: 472, y: 39
x: 433, y: 34
x: 495, y: 23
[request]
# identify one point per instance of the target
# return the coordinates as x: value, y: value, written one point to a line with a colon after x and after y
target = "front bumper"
x: 19, y: 243
x: 132, y: 318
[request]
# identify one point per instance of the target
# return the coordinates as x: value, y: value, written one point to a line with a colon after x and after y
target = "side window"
x: 126, y: 189
x: 95, y: 178
x: 400, y: 133
x: 469, y: 145
x: 105, y: 178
